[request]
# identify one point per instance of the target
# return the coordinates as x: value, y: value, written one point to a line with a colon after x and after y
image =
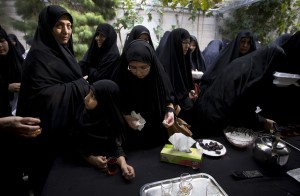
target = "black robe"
x: 98, y: 63
x: 52, y: 89
x: 240, y: 87
x: 19, y: 46
x: 10, y: 72
x: 147, y: 96
x: 11, y: 167
x: 135, y: 33
x: 197, y: 59
x: 52, y: 83
x: 284, y: 105
x: 228, y: 54
x: 212, y: 51
x: 101, y: 131
x: 178, y: 67
x: 162, y: 42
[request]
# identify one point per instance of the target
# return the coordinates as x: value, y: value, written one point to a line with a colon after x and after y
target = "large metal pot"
x: 269, y: 150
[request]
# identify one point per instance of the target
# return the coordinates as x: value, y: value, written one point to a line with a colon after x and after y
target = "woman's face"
x: 90, y: 101
x: 245, y: 44
x: 193, y: 46
x: 3, y: 47
x: 100, y: 38
x: 62, y: 30
x: 144, y: 37
x: 185, y: 45
x: 139, y: 69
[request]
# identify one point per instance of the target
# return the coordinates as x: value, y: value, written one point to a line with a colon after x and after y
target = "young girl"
x: 100, y: 127
x: 146, y: 90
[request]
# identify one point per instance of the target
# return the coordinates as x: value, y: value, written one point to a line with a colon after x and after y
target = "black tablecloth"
x: 70, y: 177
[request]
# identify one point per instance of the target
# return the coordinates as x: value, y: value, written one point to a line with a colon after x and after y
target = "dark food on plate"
x: 211, y: 146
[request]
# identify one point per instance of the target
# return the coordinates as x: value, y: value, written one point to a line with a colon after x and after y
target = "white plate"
x: 211, y: 153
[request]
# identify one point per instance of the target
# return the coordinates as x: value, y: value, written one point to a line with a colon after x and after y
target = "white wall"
x: 204, y: 29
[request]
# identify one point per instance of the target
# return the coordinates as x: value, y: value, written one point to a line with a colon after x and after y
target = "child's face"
x: 90, y: 101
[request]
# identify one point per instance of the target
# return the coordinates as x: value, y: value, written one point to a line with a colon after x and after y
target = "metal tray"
x: 200, y: 182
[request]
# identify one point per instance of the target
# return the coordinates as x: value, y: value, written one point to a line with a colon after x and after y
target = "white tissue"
x: 181, y: 142
x: 140, y: 122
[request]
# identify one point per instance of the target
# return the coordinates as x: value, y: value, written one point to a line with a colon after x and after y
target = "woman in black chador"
x: 175, y: 57
x: 11, y: 169
x: 243, y: 44
x: 162, y: 42
x: 10, y: 73
x: 197, y: 59
x: 100, y: 129
x: 99, y: 61
x: 18, y: 45
x: 212, y: 51
x: 232, y: 98
x: 52, y: 89
x: 146, y: 90
x: 283, y: 103
x: 138, y: 32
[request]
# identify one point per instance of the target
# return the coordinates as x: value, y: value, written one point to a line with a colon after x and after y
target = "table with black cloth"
x: 70, y: 177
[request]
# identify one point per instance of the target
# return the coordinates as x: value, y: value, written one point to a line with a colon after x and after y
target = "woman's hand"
x: 97, y: 161
x: 21, y: 126
x: 127, y: 170
x: 131, y: 121
x: 14, y: 87
x: 168, y: 120
x: 269, y: 125
x: 192, y: 95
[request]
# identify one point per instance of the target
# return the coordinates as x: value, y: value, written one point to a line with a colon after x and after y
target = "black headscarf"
x: 279, y: 41
x: 102, y: 130
x: 155, y: 89
x: 98, y: 63
x: 135, y: 33
x: 147, y: 96
x: 52, y: 89
x: 239, y: 88
x: 18, y: 44
x: 178, y: 66
x: 10, y: 72
x: 211, y: 51
x: 162, y: 42
x: 52, y: 86
x: 292, y: 49
x: 197, y: 59
x: 228, y: 54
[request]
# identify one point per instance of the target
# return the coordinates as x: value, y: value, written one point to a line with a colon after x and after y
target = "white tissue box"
x: 192, y: 159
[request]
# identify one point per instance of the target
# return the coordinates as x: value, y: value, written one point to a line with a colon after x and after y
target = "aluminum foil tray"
x: 200, y: 182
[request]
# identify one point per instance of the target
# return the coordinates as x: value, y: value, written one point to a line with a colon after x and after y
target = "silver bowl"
x: 239, y: 136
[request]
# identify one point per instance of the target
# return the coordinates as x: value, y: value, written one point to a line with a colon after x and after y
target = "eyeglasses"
x: 136, y: 69
x: 186, y: 42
